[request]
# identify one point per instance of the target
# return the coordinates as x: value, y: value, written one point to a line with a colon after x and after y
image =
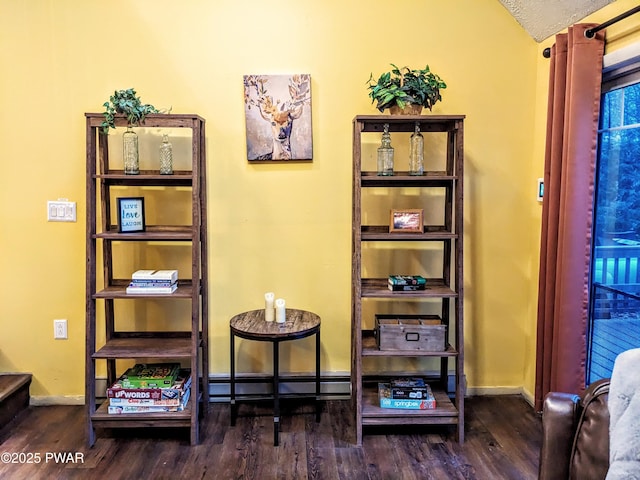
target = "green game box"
x: 151, y: 375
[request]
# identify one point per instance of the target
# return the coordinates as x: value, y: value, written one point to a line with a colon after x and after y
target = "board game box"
x: 176, y: 391
x: 406, y: 283
x: 414, y: 388
x: 151, y: 375
x: 124, y: 409
x: 385, y: 395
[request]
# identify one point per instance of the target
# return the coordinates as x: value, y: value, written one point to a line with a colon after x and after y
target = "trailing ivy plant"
x: 128, y: 103
x: 403, y: 85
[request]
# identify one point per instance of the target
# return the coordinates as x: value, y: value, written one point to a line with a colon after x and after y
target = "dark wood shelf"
x: 159, y: 347
x: 154, y: 120
x: 406, y: 123
x: 381, y: 233
x: 444, y: 293
x: 148, y: 178
x: 370, y: 349
x: 379, y: 288
x: 104, y: 419
x: 152, y: 233
x: 118, y: 290
x: 372, y: 414
x: 104, y: 294
x: 403, y: 179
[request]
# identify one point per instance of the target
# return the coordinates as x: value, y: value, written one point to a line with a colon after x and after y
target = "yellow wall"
x: 283, y: 227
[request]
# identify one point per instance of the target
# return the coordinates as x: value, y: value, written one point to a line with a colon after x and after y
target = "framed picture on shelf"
x: 406, y: 221
x: 130, y: 214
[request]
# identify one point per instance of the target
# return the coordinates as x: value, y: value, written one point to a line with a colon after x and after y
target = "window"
x: 614, y: 313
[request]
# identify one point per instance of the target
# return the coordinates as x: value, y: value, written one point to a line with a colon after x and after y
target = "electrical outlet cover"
x: 60, y: 329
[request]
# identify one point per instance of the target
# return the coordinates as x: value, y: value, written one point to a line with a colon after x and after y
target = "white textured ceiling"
x: 543, y: 18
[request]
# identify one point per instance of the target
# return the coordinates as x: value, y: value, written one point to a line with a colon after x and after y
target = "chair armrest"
x: 560, y: 414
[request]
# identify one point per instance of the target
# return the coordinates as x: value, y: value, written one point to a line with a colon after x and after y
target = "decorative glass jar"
x: 416, y: 152
x: 130, y: 152
x: 385, y: 154
x: 166, y: 156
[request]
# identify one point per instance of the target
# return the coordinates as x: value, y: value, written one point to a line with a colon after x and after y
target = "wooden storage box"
x: 410, y: 332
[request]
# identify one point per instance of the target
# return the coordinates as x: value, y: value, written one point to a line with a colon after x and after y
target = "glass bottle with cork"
x: 385, y: 154
x: 416, y: 152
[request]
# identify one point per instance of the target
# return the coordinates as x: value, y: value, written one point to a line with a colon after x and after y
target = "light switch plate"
x: 61, y: 211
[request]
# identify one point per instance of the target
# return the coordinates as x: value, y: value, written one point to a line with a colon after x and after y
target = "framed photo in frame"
x: 130, y: 214
x: 406, y: 221
x: 278, y: 117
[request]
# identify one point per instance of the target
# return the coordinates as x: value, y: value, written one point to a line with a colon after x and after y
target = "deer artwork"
x: 280, y: 114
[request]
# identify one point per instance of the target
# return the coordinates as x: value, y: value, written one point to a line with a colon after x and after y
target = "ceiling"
x: 543, y: 18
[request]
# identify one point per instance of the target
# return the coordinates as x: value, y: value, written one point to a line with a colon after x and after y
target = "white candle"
x: 269, y: 313
x: 280, y: 311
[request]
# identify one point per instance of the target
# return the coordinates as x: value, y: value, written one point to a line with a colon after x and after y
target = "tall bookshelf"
x: 106, y: 298
x: 444, y: 290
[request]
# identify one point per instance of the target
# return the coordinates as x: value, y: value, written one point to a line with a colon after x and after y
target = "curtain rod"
x: 592, y: 31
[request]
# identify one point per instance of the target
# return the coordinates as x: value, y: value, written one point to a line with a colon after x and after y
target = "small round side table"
x: 252, y: 326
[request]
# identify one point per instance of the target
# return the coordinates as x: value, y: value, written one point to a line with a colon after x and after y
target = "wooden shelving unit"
x: 447, y: 291
x: 104, y: 340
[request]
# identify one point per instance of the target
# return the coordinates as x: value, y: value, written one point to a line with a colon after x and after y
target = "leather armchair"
x: 575, y: 435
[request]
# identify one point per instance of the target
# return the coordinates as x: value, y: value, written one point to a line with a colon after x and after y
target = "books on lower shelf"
x: 173, y: 398
x: 154, y: 282
x: 134, y: 289
x: 155, y: 275
x: 406, y: 393
x: 406, y: 283
x: 132, y: 408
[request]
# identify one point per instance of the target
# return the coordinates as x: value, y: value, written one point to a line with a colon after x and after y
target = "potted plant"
x: 406, y: 90
x: 128, y: 103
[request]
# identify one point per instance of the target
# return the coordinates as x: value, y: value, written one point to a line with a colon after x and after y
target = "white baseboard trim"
x: 485, y: 391
x: 45, y: 400
x: 334, y: 386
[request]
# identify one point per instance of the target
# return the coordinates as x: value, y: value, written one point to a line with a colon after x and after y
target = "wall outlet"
x: 60, y: 329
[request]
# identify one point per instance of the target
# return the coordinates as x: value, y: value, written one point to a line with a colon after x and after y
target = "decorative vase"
x: 385, y: 154
x: 409, y: 109
x: 166, y: 156
x: 416, y: 152
x: 130, y: 152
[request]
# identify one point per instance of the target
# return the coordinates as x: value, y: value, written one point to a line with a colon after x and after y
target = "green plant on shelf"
x: 128, y: 103
x: 402, y: 86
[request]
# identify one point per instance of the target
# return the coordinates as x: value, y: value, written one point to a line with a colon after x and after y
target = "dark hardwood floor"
x: 503, y: 436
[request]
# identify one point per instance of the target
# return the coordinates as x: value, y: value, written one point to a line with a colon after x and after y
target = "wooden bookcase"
x: 444, y: 290
x: 106, y: 339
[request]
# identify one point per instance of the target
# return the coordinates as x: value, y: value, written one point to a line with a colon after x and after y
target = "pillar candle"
x: 280, y: 311
x: 269, y: 312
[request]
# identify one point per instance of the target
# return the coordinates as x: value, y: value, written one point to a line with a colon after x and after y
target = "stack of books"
x: 406, y: 393
x: 153, y: 282
x: 150, y: 388
x: 406, y: 283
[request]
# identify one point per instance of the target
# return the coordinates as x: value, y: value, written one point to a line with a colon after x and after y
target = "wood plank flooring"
x: 503, y: 436
x: 611, y: 337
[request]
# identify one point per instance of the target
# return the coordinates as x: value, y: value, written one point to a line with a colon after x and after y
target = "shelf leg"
x: 318, y: 410
x: 232, y: 383
x: 276, y: 393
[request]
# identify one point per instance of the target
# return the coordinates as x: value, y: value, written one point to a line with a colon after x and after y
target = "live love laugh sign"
x: 131, y: 214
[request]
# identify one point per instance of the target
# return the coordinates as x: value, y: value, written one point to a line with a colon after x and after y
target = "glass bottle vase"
x: 385, y: 154
x: 130, y: 152
x: 166, y: 156
x: 416, y: 152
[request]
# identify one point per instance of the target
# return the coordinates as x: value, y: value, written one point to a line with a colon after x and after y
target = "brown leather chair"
x: 575, y: 435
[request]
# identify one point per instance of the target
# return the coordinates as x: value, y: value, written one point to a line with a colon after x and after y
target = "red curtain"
x: 567, y: 208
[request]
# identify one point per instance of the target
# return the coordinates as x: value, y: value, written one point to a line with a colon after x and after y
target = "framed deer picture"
x: 278, y: 117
